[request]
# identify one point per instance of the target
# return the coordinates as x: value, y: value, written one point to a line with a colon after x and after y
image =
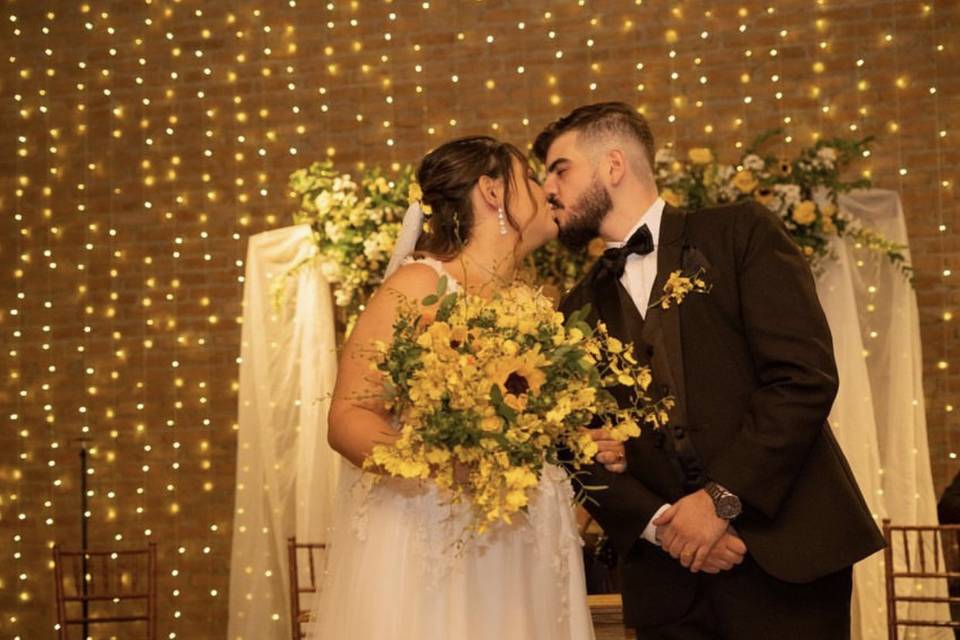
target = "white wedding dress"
x: 398, y: 566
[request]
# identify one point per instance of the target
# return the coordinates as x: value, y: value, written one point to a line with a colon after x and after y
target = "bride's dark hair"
x: 447, y: 175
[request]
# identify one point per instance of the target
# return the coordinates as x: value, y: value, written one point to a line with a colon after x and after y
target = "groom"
x: 741, y: 519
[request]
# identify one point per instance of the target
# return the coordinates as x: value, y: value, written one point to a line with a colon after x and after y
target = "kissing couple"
x: 740, y: 519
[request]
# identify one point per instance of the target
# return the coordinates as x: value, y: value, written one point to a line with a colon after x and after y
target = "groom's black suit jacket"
x: 750, y: 365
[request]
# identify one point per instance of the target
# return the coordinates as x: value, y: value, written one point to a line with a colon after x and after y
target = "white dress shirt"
x: 638, y: 277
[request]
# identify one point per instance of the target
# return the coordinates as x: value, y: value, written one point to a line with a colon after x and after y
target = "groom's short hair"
x: 600, y: 120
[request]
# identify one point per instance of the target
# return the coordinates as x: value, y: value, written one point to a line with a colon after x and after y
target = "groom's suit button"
x: 649, y: 351
x: 664, y: 389
x: 678, y: 432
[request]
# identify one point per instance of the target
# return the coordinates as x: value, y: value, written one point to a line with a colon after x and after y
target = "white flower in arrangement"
x: 827, y: 153
x: 725, y: 172
x: 333, y: 231
x: 330, y: 270
x: 826, y: 158
x: 753, y: 162
x: 665, y: 155
x: 789, y: 194
x: 377, y: 246
x: 374, y: 214
x: 371, y: 249
x: 728, y: 192
x: 342, y: 183
x: 323, y: 203
x: 342, y: 296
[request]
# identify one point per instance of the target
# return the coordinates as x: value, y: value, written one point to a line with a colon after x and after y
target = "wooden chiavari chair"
x: 298, y: 615
x: 101, y: 587
x: 924, y: 549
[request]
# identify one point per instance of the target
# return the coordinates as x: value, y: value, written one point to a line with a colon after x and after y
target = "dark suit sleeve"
x: 948, y: 508
x: 792, y: 352
x: 624, y: 507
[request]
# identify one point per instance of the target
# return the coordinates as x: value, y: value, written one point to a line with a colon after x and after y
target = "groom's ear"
x: 616, y: 163
x: 491, y: 190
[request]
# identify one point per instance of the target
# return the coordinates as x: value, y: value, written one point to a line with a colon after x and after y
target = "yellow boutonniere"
x: 678, y: 286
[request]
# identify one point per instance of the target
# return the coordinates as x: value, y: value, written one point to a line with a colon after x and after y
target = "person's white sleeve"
x: 650, y: 532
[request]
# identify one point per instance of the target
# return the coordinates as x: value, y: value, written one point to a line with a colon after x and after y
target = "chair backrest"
x: 927, y: 557
x: 309, y: 551
x: 106, y: 586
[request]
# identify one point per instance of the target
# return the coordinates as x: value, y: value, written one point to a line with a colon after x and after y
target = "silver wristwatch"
x: 727, y: 505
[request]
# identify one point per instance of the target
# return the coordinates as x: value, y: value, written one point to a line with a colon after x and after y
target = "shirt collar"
x: 651, y: 217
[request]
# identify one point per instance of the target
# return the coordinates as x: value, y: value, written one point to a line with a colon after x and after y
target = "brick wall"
x: 142, y: 142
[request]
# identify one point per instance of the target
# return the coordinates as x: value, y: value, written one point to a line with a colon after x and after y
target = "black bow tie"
x: 613, y: 261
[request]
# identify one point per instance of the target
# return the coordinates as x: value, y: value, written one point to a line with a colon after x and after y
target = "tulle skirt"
x: 399, y: 566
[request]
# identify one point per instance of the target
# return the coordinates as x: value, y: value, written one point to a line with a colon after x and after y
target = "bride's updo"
x: 447, y: 175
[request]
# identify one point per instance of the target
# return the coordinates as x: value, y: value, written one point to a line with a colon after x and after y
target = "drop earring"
x: 502, y: 219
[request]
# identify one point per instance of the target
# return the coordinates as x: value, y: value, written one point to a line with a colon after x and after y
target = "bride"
x: 396, y: 567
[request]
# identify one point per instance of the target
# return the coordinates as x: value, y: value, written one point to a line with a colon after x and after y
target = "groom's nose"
x: 550, y: 185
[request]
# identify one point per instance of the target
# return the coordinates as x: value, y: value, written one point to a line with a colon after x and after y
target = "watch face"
x: 728, y: 506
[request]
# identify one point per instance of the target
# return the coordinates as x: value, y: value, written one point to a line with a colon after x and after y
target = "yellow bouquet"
x: 493, y: 389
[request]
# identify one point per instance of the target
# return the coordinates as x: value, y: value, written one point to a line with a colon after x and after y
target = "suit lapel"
x: 607, y: 299
x: 662, y: 327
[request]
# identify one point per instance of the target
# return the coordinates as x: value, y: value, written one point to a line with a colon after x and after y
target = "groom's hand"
x: 690, y: 528
x: 726, y: 554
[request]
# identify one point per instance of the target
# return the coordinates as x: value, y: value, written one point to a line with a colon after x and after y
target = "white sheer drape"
x: 286, y: 472
x: 878, y: 416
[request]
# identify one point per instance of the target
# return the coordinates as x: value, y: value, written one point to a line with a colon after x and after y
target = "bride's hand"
x: 611, y: 454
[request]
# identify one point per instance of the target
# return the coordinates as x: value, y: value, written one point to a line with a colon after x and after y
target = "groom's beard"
x: 593, y: 207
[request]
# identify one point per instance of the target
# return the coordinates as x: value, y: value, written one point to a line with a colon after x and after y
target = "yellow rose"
x: 745, y: 181
x: 700, y: 155
x: 671, y: 197
x: 805, y: 213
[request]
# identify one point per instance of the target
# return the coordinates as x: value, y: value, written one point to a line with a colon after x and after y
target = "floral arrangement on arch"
x: 355, y: 225
x: 802, y: 190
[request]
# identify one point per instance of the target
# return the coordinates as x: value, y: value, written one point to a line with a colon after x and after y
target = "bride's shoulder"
x: 413, y: 279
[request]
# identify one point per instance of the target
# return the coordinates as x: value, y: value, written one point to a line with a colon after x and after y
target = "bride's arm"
x: 358, y: 419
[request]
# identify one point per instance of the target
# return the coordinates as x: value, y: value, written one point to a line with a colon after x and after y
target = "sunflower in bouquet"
x: 491, y: 390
